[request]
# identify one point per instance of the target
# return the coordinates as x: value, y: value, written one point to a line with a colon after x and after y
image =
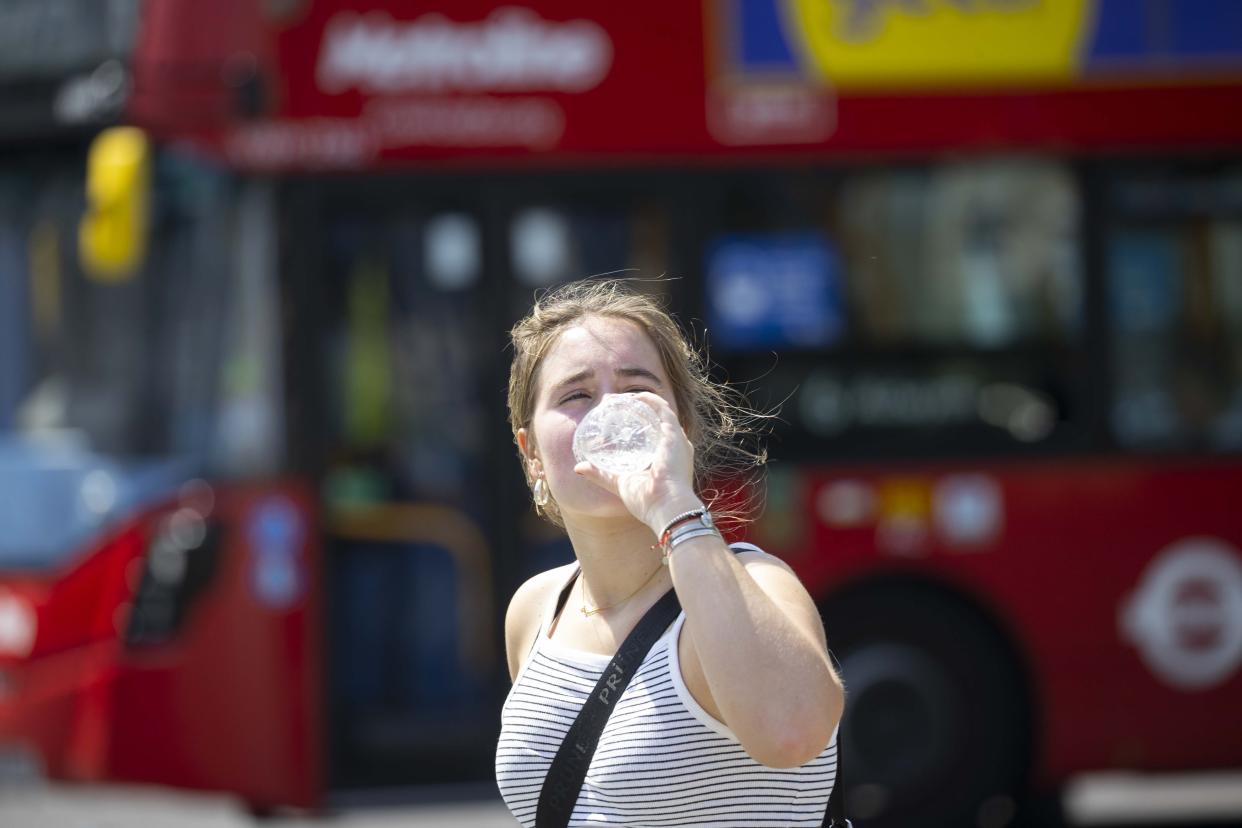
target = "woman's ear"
x: 525, y: 445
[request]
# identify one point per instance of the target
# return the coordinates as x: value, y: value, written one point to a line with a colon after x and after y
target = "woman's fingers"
x: 670, y: 427
x: 670, y: 473
x: 659, y: 405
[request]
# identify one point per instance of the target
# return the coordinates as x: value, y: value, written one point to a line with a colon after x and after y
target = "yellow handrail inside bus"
x: 450, y: 530
x: 112, y: 236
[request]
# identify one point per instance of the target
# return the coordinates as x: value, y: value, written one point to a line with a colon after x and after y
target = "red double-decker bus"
x: 986, y: 258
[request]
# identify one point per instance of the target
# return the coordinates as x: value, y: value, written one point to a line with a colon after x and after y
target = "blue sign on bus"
x: 777, y: 290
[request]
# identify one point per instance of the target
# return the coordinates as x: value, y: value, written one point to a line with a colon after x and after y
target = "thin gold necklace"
x: 587, y: 613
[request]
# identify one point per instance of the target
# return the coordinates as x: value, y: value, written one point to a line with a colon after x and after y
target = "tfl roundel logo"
x: 1185, y: 618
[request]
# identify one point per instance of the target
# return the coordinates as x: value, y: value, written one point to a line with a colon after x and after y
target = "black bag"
x: 569, y: 767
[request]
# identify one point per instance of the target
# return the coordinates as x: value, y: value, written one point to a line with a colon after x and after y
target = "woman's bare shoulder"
x: 750, y: 554
x: 525, y: 613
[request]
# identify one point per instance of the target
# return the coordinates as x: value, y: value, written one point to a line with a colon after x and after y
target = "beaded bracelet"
x: 684, y: 516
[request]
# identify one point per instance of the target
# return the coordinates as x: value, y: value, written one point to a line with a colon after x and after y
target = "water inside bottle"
x: 619, y: 435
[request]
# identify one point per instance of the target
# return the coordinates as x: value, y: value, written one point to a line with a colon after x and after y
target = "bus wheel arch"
x: 941, y: 717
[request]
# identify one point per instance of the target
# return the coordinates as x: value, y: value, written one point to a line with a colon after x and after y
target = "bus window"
x: 404, y: 357
x: 552, y: 243
x: 909, y: 310
x: 1175, y: 296
x: 984, y: 255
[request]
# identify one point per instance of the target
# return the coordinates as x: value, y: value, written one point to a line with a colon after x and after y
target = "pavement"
x: 1113, y: 800
x: 105, y: 806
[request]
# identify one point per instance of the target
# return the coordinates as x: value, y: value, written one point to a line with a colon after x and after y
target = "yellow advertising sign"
x: 903, y: 43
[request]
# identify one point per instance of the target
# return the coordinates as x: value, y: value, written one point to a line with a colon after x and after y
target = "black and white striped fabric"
x: 662, y: 759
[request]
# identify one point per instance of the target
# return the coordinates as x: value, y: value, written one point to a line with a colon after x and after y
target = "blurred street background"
x: 260, y: 508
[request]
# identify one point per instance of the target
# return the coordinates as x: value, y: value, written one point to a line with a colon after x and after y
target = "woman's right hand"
x: 665, y: 489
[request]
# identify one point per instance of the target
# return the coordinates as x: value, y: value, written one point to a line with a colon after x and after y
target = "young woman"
x: 731, y: 719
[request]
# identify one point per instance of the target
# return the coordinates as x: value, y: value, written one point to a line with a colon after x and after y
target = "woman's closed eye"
x: 583, y: 395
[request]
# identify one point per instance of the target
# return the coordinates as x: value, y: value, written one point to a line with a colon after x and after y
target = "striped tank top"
x: 662, y: 759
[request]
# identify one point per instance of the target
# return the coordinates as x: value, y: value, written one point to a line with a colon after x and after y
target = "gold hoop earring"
x: 540, y: 492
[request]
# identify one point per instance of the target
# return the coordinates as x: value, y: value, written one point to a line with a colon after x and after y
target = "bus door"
x: 406, y: 303
x: 398, y: 403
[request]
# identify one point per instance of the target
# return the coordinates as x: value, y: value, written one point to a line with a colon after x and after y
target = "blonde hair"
x: 717, y: 420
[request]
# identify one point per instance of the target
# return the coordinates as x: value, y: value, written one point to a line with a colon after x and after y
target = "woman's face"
x: 596, y: 356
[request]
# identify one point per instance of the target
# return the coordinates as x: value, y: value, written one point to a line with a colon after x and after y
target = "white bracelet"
x: 685, y: 529
x: 679, y: 537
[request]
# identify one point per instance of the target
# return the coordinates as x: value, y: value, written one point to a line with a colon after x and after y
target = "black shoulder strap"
x: 834, y: 816
x: 568, y: 770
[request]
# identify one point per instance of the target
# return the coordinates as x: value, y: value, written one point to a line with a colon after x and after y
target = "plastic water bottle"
x: 619, y: 435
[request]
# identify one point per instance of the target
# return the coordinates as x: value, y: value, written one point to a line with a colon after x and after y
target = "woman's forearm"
x: 768, y: 674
